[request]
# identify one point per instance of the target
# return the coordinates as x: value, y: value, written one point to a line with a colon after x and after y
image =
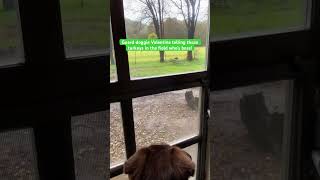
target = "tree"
x: 155, y: 10
x: 189, y: 9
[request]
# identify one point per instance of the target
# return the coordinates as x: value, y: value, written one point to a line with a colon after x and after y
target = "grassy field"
x: 256, y: 16
x: 146, y: 64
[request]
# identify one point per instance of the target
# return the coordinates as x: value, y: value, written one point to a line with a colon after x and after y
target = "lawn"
x: 256, y: 16
x: 146, y: 64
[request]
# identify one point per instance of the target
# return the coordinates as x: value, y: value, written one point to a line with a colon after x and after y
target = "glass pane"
x: 113, y: 66
x: 85, y: 26
x: 193, y: 151
x: 139, y: 25
x: 166, y: 117
x: 117, y: 146
x: 234, y: 18
x: 11, y: 51
x: 250, y: 132
x: 90, y: 145
x: 18, y: 155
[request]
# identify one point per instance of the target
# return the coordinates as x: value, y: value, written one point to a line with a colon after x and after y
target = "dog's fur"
x: 160, y: 162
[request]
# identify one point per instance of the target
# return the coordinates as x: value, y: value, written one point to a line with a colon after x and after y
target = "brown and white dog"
x: 160, y: 162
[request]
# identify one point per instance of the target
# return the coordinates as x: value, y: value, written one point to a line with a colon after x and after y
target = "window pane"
x: 89, y: 139
x: 249, y: 132
x: 11, y: 51
x: 166, y: 117
x: 117, y: 146
x: 113, y: 66
x: 18, y: 155
x: 139, y: 25
x: 236, y: 18
x: 193, y: 151
x: 85, y: 26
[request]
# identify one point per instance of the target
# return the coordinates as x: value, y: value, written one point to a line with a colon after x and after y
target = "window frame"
x: 45, y: 91
x: 125, y: 89
x: 267, y: 58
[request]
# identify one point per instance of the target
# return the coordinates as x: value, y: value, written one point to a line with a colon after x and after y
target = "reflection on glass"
x: 113, y: 66
x: 236, y: 18
x: 166, y: 117
x: 89, y: 140
x: 10, y: 46
x: 117, y: 146
x: 148, y: 19
x: 193, y: 151
x: 85, y: 26
x: 249, y: 132
x: 17, y: 155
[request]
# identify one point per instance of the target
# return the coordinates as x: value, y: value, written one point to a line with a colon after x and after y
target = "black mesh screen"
x: 250, y: 132
x: 90, y: 146
x: 17, y: 155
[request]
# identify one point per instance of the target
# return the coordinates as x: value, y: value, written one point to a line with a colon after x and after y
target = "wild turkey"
x: 191, y: 100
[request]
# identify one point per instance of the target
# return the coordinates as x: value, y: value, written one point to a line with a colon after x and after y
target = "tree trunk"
x: 191, y: 31
x: 161, y: 56
x: 8, y: 4
x: 189, y: 56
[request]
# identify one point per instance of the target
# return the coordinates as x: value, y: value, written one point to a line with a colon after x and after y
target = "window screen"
x: 85, y: 26
x: 11, y: 51
x: 90, y: 145
x: 249, y: 132
x: 240, y: 18
x: 18, y: 155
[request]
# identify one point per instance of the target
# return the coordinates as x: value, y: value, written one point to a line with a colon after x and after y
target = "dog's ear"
x: 136, y: 162
x: 183, y: 162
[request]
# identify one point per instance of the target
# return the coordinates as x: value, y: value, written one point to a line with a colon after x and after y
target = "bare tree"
x: 189, y: 9
x: 155, y: 11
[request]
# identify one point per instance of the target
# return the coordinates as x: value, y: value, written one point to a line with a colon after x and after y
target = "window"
x: 157, y: 106
x: 43, y: 97
x: 167, y: 117
x: 17, y: 155
x: 139, y: 25
x: 235, y: 19
x: 89, y: 139
x: 85, y: 27
x: 11, y: 51
x: 113, y: 66
x: 250, y: 131
x: 117, y: 146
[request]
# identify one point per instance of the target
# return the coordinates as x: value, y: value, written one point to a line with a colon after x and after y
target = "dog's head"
x: 160, y: 162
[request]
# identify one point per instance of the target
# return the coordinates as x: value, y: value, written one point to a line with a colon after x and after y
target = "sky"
x: 132, y: 7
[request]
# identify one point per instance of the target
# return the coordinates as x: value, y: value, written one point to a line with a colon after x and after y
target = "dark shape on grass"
x: 191, y: 100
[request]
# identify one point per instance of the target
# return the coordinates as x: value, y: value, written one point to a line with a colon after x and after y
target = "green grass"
x: 146, y: 64
x: 256, y: 16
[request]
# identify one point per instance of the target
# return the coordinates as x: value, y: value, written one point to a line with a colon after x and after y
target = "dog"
x: 160, y: 162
